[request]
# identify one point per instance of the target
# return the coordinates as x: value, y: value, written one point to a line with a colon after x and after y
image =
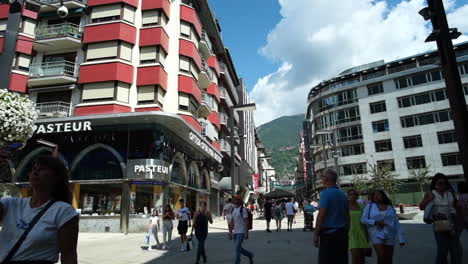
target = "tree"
x: 380, y: 177
x: 360, y: 184
x: 422, y: 177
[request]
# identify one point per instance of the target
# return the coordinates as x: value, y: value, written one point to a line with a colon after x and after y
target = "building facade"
x: 136, y: 93
x: 395, y: 113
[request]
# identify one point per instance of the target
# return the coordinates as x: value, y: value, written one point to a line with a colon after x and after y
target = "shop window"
x: 446, y: 137
x: 377, y: 107
x: 383, y: 145
x: 100, y: 199
x: 98, y: 164
x: 193, y: 175
x: 380, y: 126
x: 416, y: 162
x: 178, y: 172
x: 146, y: 199
x: 413, y: 141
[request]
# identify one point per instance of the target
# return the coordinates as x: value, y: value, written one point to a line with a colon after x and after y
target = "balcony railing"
x: 206, y: 39
x: 207, y: 69
x: 223, y: 118
x: 53, y: 109
x: 59, y: 30
x: 53, y: 68
x: 225, y: 146
x: 206, y: 99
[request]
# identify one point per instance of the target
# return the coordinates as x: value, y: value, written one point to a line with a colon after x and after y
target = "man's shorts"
x: 182, y: 227
x: 268, y: 217
x: 290, y: 218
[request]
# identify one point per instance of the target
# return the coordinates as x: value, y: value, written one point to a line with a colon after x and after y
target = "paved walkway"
x: 283, y: 247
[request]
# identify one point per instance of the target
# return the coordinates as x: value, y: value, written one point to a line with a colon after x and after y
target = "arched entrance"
x: 194, y: 184
x: 25, y: 166
x: 178, y: 176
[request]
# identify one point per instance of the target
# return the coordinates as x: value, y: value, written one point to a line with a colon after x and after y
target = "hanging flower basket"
x: 17, y: 117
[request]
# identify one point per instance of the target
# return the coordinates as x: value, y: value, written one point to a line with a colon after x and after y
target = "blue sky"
x: 303, y: 42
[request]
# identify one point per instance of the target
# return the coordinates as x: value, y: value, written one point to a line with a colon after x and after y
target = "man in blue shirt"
x: 331, y: 230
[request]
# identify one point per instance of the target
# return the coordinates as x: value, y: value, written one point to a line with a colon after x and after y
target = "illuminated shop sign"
x: 148, y: 169
x: 76, y: 126
x: 197, y: 140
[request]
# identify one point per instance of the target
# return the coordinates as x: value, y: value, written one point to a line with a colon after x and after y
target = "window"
x: 418, y: 78
x: 401, y: 83
x: 416, y: 162
x: 106, y: 13
x: 426, y: 118
x: 353, y: 169
x: 413, y: 141
x: 106, y: 91
x: 446, y: 137
x: 375, y: 88
x: 150, y: 94
x: 187, y: 65
x: 352, y: 150
x: 21, y: 62
x: 349, y: 133
x: 129, y: 13
x: 465, y: 88
x: 329, y: 102
x: 435, y: 76
x: 151, y: 17
x: 380, y: 126
x: 3, y: 24
x: 451, y: 159
x: 185, y: 29
x: 152, y: 54
x: 383, y: 145
x: 28, y: 26
x: 377, y: 107
x: 422, y: 98
x: 390, y: 164
x: 187, y: 103
x: 109, y: 50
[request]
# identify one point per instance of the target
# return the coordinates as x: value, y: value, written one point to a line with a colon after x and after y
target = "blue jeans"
x: 238, y: 239
x: 448, y: 242
x: 201, y: 247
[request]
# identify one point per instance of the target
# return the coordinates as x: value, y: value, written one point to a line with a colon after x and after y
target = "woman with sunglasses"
x: 384, y: 226
x: 446, y: 216
x: 358, y: 241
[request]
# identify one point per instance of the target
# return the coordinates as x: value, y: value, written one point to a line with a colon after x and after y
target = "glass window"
x: 352, y: 150
x: 451, y: 159
x: 465, y: 88
x: 435, y: 76
x: 416, y: 162
x: 375, y: 88
x: 353, y: 169
x: 418, y: 78
x: 390, y: 164
x: 380, y: 126
x: 106, y: 13
x: 404, y: 102
x: 150, y: 17
x: 401, y: 83
x: 101, y: 199
x: 422, y: 98
x: 413, y: 141
x: 446, y: 137
x: 440, y: 95
x: 444, y: 116
x: 377, y: 107
x: 383, y: 145
x: 99, y: 164
x: 426, y: 119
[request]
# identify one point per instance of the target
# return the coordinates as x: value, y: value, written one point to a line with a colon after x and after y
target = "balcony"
x: 70, y: 4
x: 52, y: 73
x: 223, y: 119
x: 225, y: 146
x: 205, y: 107
x: 206, y: 75
x: 63, y: 36
x: 209, y: 131
x: 225, y: 96
x: 227, y: 76
x: 53, y: 109
x: 205, y: 46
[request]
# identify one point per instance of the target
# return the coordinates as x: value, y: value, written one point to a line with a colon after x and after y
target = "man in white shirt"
x: 183, y: 215
x: 227, y: 211
x: 238, y: 229
x: 290, y: 211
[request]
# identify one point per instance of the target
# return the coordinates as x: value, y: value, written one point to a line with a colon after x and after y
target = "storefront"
x: 124, y: 165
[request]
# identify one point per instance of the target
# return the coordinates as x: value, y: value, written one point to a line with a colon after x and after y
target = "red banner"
x: 256, y: 182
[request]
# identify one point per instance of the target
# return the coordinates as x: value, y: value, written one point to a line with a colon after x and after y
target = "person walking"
x: 268, y: 206
x: 358, y: 240
x: 227, y: 211
x: 331, y: 229
x: 463, y: 204
x: 200, y: 225
x: 238, y: 230
x: 183, y: 214
x: 168, y: 217
x: 153, y: 228
x: 309, y: 210
x: 38, y: 229
x: 290, y: 212
x: 279, y: 215
x: 384, y: 226
x: 446, y: 219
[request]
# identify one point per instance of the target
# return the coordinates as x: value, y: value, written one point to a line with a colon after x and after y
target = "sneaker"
x: 182, y: 248
x: 164, y: 247
x: 150, y: 249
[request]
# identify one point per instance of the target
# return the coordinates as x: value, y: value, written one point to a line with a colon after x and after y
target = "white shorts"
x: 380, y: 241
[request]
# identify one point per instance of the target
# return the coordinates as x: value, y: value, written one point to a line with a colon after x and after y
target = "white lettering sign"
x: 151, y: 169
x: 63, y: 127
x: 197, y: 140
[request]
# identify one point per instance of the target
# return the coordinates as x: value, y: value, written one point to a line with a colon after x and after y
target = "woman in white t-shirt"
x: 56, y: 232
x: 154, y: 228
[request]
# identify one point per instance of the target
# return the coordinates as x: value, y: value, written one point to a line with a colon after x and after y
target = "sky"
x: 283, y: 48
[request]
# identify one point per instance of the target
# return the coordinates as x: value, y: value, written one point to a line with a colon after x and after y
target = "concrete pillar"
x: 76, y: 195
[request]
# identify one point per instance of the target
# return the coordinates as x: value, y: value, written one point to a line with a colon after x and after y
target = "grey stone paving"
x: 283, y: 247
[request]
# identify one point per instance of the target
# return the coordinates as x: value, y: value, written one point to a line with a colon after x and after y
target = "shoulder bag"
x: 444, y: 225
x: 20, y: 241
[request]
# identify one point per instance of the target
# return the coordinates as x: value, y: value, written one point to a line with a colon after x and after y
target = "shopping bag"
x: 147, y: 238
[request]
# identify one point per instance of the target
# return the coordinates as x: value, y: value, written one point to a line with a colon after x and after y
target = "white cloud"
x: 318, y: 39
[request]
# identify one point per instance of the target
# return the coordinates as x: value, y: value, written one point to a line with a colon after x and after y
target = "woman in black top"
x: 200, y: 224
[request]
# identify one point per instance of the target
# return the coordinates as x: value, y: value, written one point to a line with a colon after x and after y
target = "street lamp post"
x: 242, y: 107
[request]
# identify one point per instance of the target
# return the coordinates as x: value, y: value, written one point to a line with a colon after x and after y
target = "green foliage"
x: 422, y: 176
x: 380, y: 177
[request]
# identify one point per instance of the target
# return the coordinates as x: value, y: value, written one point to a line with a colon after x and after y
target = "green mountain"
x: 282, y: 139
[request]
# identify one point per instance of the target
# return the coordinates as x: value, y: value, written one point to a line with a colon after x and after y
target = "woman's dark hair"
x: 385, y: 198
x: 155, y: 211
x: 352, y: 190
x: 60, y: 189
x: 440, y: 176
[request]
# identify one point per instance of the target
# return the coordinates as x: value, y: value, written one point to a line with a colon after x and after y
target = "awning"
x: 225, y: 184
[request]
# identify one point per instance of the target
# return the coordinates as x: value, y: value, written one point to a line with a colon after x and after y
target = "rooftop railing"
x: 59, y: 30
x: 53, y: 68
